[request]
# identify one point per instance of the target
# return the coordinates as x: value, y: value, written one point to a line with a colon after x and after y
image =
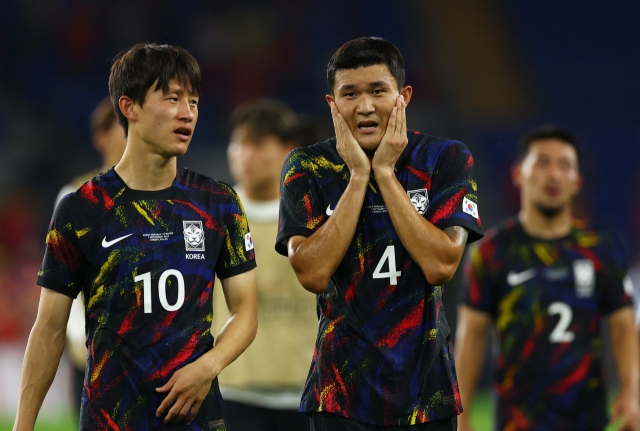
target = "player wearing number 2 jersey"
x: 376, y: 236
x: 546, y: 284
x: 143, y: 243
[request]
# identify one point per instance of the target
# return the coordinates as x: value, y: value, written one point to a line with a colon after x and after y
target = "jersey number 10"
x: 162, y: 289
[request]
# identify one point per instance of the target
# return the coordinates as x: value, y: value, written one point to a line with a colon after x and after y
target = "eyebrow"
x: 368, y: 84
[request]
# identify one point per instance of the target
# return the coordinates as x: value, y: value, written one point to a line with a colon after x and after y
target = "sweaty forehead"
x: 364, y: 76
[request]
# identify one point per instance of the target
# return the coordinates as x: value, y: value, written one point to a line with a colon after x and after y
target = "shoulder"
x: 314, y: 161
x: 201, y: 186
x: 432, y: 151
x: 607, y: 243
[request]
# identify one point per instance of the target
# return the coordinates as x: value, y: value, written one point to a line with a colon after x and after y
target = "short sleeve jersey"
x: 547, y: 299
x: 383, y: 352
x: 145, y: 264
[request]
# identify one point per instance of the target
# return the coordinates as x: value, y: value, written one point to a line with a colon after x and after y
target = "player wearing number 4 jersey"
x: 546, y: 284
x: 142, y: 242
x: 375, y: 221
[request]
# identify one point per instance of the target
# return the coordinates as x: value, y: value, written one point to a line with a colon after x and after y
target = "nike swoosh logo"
x: 329, y: 211
x: 516, y: 278
x: 107, y: 244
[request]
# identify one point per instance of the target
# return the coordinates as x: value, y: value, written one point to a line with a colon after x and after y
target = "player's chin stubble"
x: 549, y: 212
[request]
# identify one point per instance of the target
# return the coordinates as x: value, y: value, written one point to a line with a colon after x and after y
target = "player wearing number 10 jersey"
x: 143, y: 242
x: 366, y: 233
x: 547, y: 284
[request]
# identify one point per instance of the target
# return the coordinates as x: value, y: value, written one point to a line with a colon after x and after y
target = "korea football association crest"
x: 584, y: 275
x: 420, y: 200
x: 193, y: 235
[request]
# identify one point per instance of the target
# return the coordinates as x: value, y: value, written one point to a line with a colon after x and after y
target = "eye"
x: 194, y: 102
x: 350, y: 94
x: 377, y: 91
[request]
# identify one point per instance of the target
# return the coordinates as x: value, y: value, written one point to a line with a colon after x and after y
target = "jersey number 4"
x: 162, y: 289
x: 390, y: 256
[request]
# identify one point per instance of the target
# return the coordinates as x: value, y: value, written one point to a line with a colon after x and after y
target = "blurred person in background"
x: 143, y: 242
x: 262, y: 388
x: 107, y: 137
x: 546, y: 282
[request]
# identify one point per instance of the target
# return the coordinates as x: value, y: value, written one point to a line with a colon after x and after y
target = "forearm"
x: 234, y: 337
x: 470, y: 344
x: 41, y: 360
x: 316, y: 258
x: 624, y: 344
x: 437, y: 254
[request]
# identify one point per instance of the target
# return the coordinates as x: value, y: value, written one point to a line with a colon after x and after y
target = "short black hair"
x: 545, y: 131
x: 266, y: 117
x: 363, y: 52
x: 135, y: 70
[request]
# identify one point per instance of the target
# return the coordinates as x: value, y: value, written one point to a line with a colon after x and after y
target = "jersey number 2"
x: 560, y: 333
x: 390, y: 256
x: 162, y: 289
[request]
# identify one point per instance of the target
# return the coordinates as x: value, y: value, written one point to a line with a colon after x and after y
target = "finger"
x: 194, y: 410
x: 166, y: 404
x: 391, y: 125
x: 403, y: 123
x: 399, y: 115
x: 175, y: 414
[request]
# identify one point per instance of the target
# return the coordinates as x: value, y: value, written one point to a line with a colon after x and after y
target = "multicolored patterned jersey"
x: 547, y: 299
x: 145, y: 263
x: 383, y: 353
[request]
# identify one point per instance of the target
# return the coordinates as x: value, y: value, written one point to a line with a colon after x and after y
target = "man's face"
x: 548, y: 176
x: 255, y: 162
x: 365, y: 97
x: 166, y: 121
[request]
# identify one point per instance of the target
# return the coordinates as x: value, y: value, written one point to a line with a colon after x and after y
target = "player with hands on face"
x: 376, y: 261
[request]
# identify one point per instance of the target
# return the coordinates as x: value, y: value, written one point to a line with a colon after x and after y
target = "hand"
x: 627, y: 409
x: 187, y: 389
x: 347, y: 146
x: 394, y: 140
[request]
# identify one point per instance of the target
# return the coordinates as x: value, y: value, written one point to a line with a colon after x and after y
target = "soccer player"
x: 262, y: 388
x: 142, y: 242
x: 546, y: 283
x: 375, y: 221
x: 108, y: 139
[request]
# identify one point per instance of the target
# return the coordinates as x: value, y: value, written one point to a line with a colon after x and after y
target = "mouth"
x: 184, y: 133
x: 367, y: 126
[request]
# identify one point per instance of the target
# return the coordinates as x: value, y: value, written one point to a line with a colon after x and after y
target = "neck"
x: 538, y: 225
x: 264, y: 192
x: 146, y: 171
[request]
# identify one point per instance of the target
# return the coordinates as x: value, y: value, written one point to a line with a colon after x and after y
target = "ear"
x: 330, y: 99
x: 127, y: 107
x: 406, y: 92
x: 516, y: 175
x: 579, y: 184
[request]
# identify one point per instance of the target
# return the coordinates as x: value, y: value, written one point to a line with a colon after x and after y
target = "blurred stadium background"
x: 482, y: 70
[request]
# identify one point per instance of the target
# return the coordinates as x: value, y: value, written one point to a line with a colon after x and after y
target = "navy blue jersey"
x: 145, y: 262
x: 383, y: 352
x: 547, y: 299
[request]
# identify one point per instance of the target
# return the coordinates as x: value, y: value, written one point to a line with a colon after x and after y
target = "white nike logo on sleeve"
x: 329, y: 211
x: 516, y: 278
x: 107, y: 244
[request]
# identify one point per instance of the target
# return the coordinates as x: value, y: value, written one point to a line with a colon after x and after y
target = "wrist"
x: 382, y: 173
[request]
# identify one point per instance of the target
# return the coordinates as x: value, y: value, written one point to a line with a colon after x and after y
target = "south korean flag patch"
x: 248, y: 242
x: 470, y: 207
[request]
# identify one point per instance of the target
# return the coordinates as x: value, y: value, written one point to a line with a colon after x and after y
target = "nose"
x: 186, y: 110
x: 365, y: 104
